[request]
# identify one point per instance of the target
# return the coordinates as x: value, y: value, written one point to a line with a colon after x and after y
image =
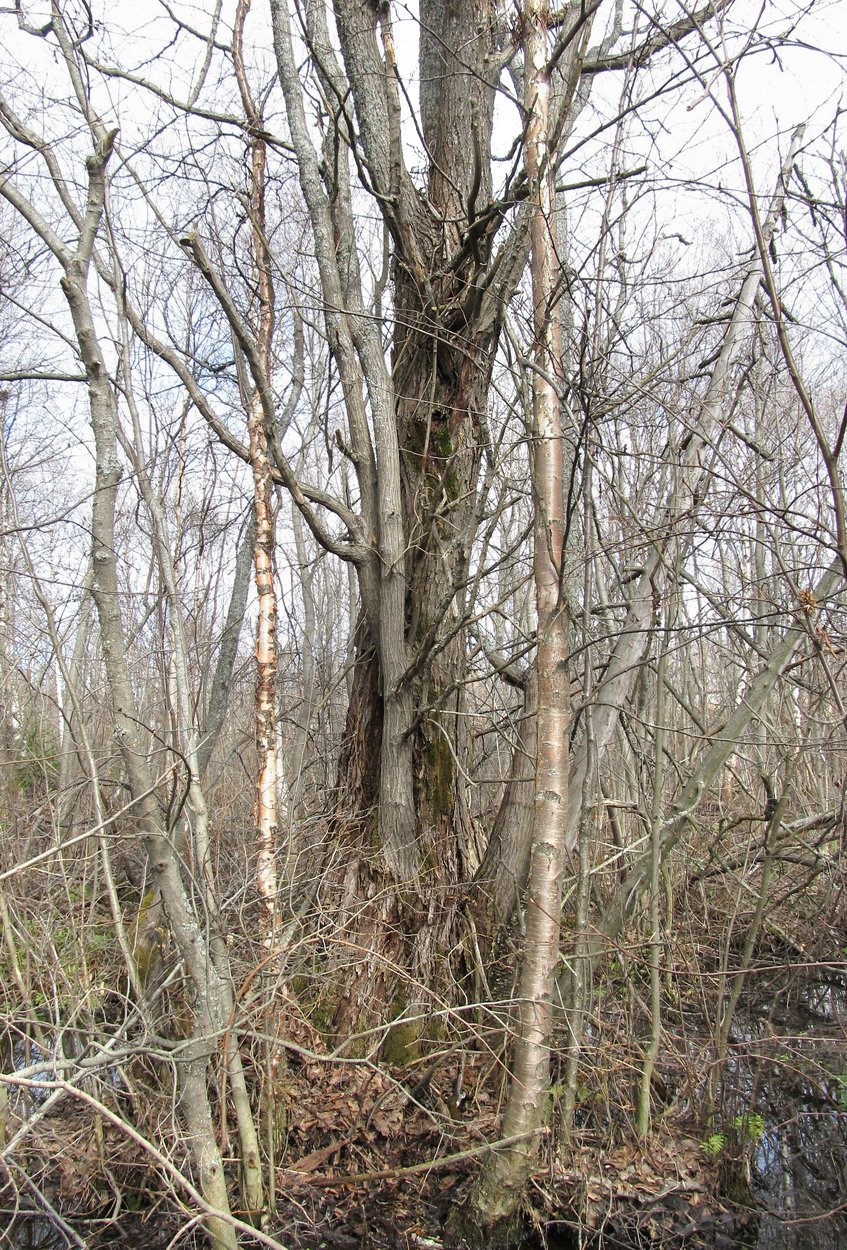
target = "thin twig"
x: 362, y: 1178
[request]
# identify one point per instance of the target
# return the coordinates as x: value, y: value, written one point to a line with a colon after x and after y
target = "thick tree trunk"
x: 501, y: 878
x: 361, y: 748
x: 407, y: 746
x: 438, y: 418
x: 404, y: 763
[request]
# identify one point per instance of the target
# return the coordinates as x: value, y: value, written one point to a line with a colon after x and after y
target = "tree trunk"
x: 501, y: 879
x: 210, y: 1015
x: 211, y: 1001
x: 407, y: 746
x: 492, y: 1213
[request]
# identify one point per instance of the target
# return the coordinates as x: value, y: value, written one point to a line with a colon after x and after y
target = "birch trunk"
x: 685, y: 495
x: 495, y: 1204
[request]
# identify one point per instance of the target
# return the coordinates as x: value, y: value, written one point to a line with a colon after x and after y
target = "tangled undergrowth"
x: 746, y: 1145
x: 375, y: 1157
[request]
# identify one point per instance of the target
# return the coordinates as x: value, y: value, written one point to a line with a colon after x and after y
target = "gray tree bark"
x: 495, y: 1201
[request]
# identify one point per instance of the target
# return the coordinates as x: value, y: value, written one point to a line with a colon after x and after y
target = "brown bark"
x: 401, y: 768
x: 457, y: 257
x: 442, y: 356
x: 501, y: 878
x: 407, y: 747
x: 361, y: 748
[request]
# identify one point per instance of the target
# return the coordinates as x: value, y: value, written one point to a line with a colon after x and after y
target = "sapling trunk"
x: 576, y: 1002
x: 494, y: 1209
x: 656, y: 943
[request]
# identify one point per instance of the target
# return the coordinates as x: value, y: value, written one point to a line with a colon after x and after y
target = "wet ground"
x: 779, y: 1138
x: 791, y: 1072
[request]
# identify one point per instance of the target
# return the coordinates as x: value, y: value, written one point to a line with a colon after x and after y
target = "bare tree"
x: 207, y: 970
x: 422, y: 448
x: 497, y: 1197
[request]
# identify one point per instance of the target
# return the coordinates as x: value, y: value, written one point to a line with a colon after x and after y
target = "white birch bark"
x: 497, y: 1196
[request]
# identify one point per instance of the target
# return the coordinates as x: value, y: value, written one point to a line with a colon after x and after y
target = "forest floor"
x: 369, y: 1165
x: 375, y: 1156
x: 384, y: 1171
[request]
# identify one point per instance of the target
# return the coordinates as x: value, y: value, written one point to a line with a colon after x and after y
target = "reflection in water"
x: 36, y: 1232
x: 790, y: 1067
x: 31, y: 1231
